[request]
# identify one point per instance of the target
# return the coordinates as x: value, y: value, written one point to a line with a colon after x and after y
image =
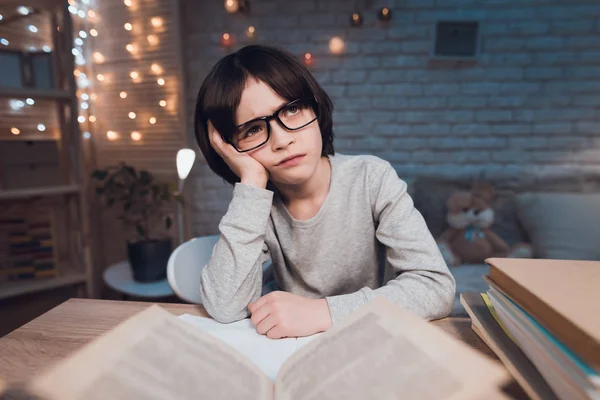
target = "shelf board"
x: 53, y: 94
x: 18, y: 288
x: 35, y: 192
x: 33, y: 137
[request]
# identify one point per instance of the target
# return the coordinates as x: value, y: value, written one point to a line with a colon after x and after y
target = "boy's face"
x: 259, y: 100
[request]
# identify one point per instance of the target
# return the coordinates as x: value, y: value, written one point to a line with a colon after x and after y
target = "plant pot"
x: 148, y: 259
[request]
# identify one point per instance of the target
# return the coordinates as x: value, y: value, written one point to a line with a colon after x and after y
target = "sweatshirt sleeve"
x: 233, y: 276
x: 420, y: 282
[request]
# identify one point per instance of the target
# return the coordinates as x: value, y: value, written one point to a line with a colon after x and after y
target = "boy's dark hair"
x: 221, y: 91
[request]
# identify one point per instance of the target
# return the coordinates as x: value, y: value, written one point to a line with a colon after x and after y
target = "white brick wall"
x: 530, y: 105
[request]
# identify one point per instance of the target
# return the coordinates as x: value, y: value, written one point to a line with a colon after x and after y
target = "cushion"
x: 562, y: 225
x: 430, y: 194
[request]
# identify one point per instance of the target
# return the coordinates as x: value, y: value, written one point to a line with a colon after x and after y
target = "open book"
x: 380, y: 351
x: 268, y: 354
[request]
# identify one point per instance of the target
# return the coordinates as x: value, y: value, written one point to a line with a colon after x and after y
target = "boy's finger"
x: 252, y: 307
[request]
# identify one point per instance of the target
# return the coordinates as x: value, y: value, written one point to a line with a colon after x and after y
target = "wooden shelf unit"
x: 69, y: 195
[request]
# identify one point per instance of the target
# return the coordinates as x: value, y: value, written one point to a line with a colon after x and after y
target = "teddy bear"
x: 469, y: 238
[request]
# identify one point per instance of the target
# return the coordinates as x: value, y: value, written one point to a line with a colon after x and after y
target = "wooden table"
x: 74, y: 323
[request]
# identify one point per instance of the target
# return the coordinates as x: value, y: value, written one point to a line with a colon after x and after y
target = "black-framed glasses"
x: 255, y: 133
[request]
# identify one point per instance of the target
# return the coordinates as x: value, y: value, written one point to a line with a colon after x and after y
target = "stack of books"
x: 542, y: 319
x: 27, y: 247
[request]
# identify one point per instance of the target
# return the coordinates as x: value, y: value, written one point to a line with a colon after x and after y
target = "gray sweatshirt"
x: 335, y: 254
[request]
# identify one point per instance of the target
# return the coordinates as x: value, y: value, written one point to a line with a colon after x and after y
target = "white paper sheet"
x: 268, y: 354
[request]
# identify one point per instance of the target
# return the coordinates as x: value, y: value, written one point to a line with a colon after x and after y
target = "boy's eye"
x: 291, y: 110
x: 252, y: 131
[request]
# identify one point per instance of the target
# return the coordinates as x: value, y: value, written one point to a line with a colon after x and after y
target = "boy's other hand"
x: 282, y: 314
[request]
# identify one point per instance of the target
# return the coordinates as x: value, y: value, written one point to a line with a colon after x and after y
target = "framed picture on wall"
x: 12, y: 69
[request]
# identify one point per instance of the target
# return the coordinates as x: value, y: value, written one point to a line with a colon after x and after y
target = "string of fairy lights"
x: 87, y: 32
x: 87, y: 79
x: 336, y: 44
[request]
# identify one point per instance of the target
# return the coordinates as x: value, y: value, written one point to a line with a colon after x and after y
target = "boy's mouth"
x: 291, y: 160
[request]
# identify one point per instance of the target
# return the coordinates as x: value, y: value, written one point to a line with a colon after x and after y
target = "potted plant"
x: 143, y: 208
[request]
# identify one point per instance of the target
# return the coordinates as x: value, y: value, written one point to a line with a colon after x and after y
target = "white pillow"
x: 564, y: 226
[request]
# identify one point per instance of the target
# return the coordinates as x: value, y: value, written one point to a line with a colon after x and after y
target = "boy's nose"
x: 280, y: 137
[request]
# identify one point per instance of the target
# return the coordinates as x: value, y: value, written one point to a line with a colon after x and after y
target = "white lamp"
x: 185, y: 161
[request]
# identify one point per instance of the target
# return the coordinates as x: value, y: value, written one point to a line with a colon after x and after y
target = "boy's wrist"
x: 325, y: 321
x: 256, y: 181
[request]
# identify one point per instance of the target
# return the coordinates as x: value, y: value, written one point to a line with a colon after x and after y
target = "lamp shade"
x: 185, y: 161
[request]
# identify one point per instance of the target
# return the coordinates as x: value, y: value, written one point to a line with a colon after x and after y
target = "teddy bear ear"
x: 483, y: 190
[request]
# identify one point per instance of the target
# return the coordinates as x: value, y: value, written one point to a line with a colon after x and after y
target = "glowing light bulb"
x: 87, y: 135
x: 250, y: 32
x: 82, y: 34
x: 15, y: 131
x: 161, y: 81
x: 123, y: 95
x: 91, y: 14
x: 156, y: 22
x: 162, y: 103
x: 30, y: 101
x: 152, y: 120
x: 134, y: 75
x: 16, y: 105
x: 128, y: 3
x: 153, y: 40
x: 32, y: 28
x: 79, y: 42
x: 81, y: 119
x: 4, y: 41
x: 93, y: 32
x: 336, y: 45
x: 132, y: 48
x: 232, y: 6
x: 23, y: 10
x: 84, y: 106
x: 136, y: 136
x: 112, y: 135
x: 98, y: 57
x: 157, y: 69
x: 128, y: 26
x: 226, y: 40
x: 131, y: 115
x: 308, y: 59
x: 100, y: 77
x: 93, y: 96
x: 46, y: 48
x: 85, y: 96
x: 41, y: 127
x: 92, y: 118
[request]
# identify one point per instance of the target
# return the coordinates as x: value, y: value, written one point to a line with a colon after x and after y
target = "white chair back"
x: 185, y: 266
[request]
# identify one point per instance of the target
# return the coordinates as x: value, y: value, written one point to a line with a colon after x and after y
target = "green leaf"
x: 145, y: 177
x: 140, y: 231
x: 99, y: 174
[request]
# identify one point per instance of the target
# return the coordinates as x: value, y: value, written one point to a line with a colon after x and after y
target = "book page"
x: 152, y: 356
x: 384, y: 351
x: 267, y: 354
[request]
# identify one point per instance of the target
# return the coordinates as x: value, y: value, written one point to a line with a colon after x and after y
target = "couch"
x: 559, y: 216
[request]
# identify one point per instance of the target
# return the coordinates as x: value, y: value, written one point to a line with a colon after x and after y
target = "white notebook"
x: 268, y: 354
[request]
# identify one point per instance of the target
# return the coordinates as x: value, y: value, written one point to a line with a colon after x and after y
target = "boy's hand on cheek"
x: 250, y: 171
x: 282, y: 314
